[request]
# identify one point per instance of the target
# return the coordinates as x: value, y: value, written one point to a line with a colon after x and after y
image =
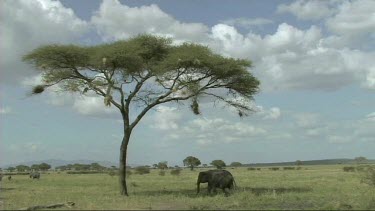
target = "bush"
x: 288, y: 168
x: 112, y: 173
x: 142, y: 170
x: 348, y: 168
x: 274, y: 168
x: 251, y: 169
x: 299, y: 168
x: 259, y: 169
x: 162, y: 173
x: 176, y: 172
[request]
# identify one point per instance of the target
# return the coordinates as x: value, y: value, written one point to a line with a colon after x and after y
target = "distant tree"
x: 113, y: 167
x: 97, y: 167
x: 62, y: 168
x: 176, y: 166
x: 299, y: 163
x: 163, y: 165
x: 235, y: 164
x: 205, y: 165
x: 219, y: 164
x: 143, y: 72
x: 191, y: 162
x: 360, y: 159
x: 22, y: 168
x: 44, y: 166
x: 155, y: 165
x: 35, y: 167
x: 11, y: 169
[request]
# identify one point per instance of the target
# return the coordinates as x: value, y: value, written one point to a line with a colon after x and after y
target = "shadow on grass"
x: 262, y: 190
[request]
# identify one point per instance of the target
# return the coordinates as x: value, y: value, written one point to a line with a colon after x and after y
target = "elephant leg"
x: 209, y: 188
x: 226, y: 191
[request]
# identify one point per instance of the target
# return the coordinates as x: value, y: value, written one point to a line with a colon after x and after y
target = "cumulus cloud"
x: 166, y: 118
x: 308, y: 9
x: 116, y: 21
x: 353, y: 18
x: 27, y: 24
x: 247, y: 22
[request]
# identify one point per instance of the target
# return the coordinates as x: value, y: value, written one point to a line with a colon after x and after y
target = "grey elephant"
x: 216, y: 179
x: 35, y: 175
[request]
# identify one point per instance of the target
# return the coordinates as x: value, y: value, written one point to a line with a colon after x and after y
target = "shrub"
x: 176, y: 172
x: 348, y: 168
x: 299, y: 168
x: 274, y: 168
x: 142, y: 170
x: 162, y: 173
x: 112, y: 173
x: 288, y: 168
x: 251, y: 169
x: 259, y: 169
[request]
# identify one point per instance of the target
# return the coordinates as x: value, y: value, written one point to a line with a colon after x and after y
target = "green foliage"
x: 360, y: 159
x: 299, y: 163
x: 112, y: 173
x: 162, y: 165
x: 349, y: 168
x: 162, y: 173
x: 128, y: 173
x: 142, y: 170
x: 289, y: 168
x: 219, y: 164
x: 235, y: 164
x: 251, y: 169
x: 11, y: 169
x: 274, y: 168
x: 191, y: 161
x: 22, y: 168
x: 44, y: 166
x: 176, y: 172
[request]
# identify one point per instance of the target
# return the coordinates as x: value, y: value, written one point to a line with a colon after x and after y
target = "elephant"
x: 35, y: 175
x: 216, y: 179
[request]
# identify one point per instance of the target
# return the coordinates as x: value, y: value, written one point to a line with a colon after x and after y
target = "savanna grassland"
x: 312, y: 187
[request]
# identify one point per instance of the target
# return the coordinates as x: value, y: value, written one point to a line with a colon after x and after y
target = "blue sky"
x: 314, y: 60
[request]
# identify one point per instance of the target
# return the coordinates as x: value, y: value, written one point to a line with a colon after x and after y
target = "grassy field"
x: 313, y: 187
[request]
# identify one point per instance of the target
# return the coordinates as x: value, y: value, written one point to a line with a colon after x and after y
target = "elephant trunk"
x: 198, y: 184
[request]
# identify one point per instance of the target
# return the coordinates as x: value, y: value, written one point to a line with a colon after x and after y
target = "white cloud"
x: 308, y: 9
x: 353, y: 18
x: 27, y: 24
x: 116, y: 21
x: 371, y: 116
x: 307, y: 120
x: 274, y: 113
x: 247, y: 22
x: 93, y: 105
x: 335, y: 139
x: 166, y: 118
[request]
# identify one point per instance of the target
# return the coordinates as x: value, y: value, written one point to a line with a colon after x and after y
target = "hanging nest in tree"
x: 195, y: 107
x: 38, y: 89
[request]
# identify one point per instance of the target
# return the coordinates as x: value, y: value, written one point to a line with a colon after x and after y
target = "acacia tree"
x: 143, y: 72
x: 191, y: 162
x: 219, y: 164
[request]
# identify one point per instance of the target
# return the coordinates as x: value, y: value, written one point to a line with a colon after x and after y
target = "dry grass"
x: 325, y: 187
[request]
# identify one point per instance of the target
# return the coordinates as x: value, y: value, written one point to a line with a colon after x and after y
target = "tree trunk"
x: 122, y: 167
